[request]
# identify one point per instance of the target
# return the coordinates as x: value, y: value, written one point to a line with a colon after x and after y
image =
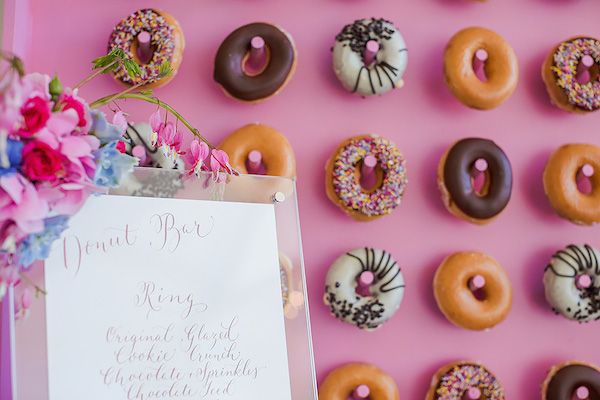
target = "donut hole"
x: 593, y: 73
x: 139, y: 56
x: 371, y: 182
x: 479, y: 294
x: 253, y: 70
x: 479, y: 68
x: 584, y: 184
x: 256, y: 169
x: 480, y: 182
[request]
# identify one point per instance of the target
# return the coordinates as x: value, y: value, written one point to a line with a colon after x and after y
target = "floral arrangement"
x: 56, y: 150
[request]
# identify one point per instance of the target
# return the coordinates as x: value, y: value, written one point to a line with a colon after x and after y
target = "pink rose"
x: 41, y: 162
x: 35, y: 112
x: 70, y: 102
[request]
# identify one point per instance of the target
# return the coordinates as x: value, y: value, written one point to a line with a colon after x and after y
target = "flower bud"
x: 56, y: 87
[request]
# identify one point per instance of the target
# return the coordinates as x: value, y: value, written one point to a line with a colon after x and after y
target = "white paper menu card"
x: 152, y: 298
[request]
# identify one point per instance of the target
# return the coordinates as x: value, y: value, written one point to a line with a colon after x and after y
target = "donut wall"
x: 423, y: 119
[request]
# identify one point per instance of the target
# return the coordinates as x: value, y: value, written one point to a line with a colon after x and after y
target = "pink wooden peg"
x: 477, y: 282
x: 587, y: 170
x: 361, y: 392
x: 583, y: 281
x: 364, y: 282
x: 254, y: 161
x: 479, y: 60
x: 370, y: 52
x: 582, y: 393
x: 144, y: 51
x: 583, y: 69
x: 366, y: 278
x: 584, y: 184
x: 472, y: 394
x: 368, y: 167
x: 481, y: 165
x: 257, y: 57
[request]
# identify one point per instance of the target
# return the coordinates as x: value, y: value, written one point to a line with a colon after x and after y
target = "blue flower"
x: 104, y: 130
x: 14, y: 148
x: 112, y: 165
x: 37, y: 246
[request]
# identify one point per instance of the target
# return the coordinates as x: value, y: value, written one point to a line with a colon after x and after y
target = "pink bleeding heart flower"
x: 120, y: 121
x: 35, y: 113
x: 169, y: 140
x: 219, y: 165
x: 196, y: 155
x: 23, y: 304
x: 155, y: 124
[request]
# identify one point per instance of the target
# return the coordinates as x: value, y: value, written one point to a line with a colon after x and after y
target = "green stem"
x: 28, y: 280
x: 93, y: 75
x: 153, y: 100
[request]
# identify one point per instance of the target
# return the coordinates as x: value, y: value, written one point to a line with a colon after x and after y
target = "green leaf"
x: 147, y: 93
x: 132, y: 68
x: 165, y: 69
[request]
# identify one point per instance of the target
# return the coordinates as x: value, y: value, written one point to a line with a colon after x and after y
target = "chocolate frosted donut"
x: 563, y: 380
x: 231, y: 56
x: 455, y: 180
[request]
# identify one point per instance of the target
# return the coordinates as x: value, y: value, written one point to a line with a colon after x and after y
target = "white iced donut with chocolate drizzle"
x: 572, y: 283
x: 365, y: 307
x: 390, y: 61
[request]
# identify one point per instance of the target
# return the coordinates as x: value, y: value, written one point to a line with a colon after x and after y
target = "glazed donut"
x: 342, y: 381
x: 342, y: 177
x: 232, y: 55
x: 501, y: 69
x: 167, y: 44
x: 453, y: 381
x: 572, y: 283
x: 560, y: 183
x: 385, y: 293
x: 459, y: 303
x: 563, y: 381
x: 559, y: 73
x: 277, y: 153
x: 456, y: 185
x: 386, y: 70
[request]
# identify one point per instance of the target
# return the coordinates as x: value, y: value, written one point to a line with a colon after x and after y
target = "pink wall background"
x: 423, y: 119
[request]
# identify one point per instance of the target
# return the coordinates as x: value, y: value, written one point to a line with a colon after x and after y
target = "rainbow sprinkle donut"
x: 166, y: 41
x: 343, y: 173
x: 560, y: 75
x: 454, y: 381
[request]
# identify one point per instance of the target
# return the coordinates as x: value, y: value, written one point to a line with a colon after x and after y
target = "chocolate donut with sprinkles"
x: 364, y: 70
x: 166, y: 44
x: 566, y: 87
x: 572, y: 283
x: 343, y: 173
x: 364, y: 287
x: 465, y: 379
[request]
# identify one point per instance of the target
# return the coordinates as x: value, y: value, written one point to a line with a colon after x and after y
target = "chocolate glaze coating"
x: 457, y: 177
x: 568, y: 379
x: 230, y: 56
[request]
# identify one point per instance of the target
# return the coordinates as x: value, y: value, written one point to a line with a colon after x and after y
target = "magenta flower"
x: 196, y: 156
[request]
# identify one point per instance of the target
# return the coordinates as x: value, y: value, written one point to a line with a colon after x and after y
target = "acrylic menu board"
x: 173, y: 288
x: 423, y: 119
